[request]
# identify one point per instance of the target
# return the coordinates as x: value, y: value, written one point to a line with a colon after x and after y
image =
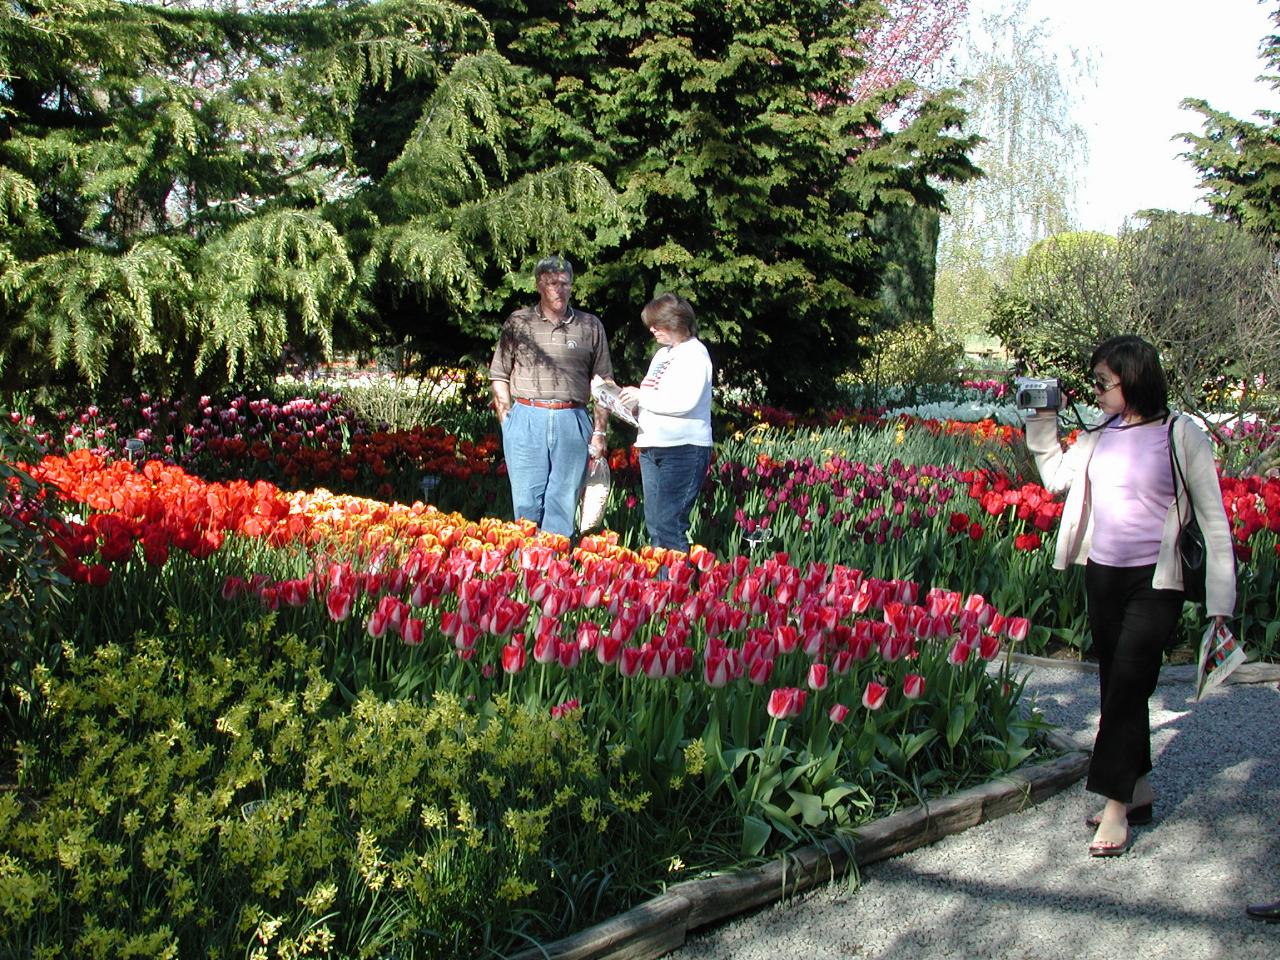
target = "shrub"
x: 225, y: 807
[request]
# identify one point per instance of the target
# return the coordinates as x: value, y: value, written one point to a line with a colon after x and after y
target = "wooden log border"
x: 662, y: 924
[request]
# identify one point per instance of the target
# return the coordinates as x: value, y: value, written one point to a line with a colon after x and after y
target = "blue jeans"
x: 546, y: 454
x: 671, y: 478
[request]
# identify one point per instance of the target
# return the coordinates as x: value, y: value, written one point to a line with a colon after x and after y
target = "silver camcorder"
x: 1034, y: 394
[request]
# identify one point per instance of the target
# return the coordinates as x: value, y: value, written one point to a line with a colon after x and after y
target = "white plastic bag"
x: 1220, y: 653
x: 595, y: 494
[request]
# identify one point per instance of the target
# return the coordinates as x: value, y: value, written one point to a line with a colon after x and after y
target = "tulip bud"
x: 988, y: 646
x: 1016, y: 628
x: 817, y: 676
x: 514, y: 657
x: 873, y: 697
x: 913, y: 686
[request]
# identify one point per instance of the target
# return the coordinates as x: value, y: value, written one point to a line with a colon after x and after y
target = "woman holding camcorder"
x: 1129, y: 482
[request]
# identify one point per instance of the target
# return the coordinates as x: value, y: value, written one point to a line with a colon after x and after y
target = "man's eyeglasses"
x: 1101, y: 386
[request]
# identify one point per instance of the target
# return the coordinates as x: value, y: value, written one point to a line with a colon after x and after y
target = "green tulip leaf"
x: 755, y: 834
x: 810, y: 808
x: 956, y: 723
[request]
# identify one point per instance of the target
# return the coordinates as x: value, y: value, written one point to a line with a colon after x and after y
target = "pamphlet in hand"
x: 607, y: 395
x: 1220, y: 653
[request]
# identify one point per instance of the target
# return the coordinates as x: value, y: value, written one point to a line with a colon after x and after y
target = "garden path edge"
x: 660, y: 925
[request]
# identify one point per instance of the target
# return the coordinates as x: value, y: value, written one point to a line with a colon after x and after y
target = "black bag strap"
x: 1178, y: 478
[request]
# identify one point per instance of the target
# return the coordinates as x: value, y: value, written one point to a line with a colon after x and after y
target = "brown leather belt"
x: 550, y: 404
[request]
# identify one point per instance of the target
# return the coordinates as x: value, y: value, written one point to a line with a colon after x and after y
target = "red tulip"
x: 1016, y: 628
x: 413, y: 631
x: 466, y: 638
x: 514, y: 657
x: 786, y: 702
x: 607, y: 649
x: 988, y: 646
x: 715, y: 671
x: 564, y: 709
x: 913, y: 686
x: 653, y: 662
x: 630, y: 661
x: 570, y: 654
x: 787, y: 637
x: 959, y: 653
x: 817, y: 676
x: 873, y: 696
x: 838, y: 713
x: 546, y: 647
x: 760, y: 670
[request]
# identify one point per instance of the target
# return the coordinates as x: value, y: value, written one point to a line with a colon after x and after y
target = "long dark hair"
x: 1142, y: 379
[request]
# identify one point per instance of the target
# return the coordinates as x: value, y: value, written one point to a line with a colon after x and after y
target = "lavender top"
x: 1131, y: 488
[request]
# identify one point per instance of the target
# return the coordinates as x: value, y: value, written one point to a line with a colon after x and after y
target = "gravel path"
x: 1024, y: 886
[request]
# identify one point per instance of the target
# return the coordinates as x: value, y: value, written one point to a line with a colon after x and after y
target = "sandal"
x: 1138, y: 816
x: 1108, y: 848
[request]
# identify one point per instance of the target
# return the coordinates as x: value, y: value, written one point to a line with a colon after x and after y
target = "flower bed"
x: 275, y: 718
x: 308, y: 721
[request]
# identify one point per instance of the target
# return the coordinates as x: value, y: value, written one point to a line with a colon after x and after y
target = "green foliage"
x: 963, y: 291
x: 912, y: 354
x: 1066, y: 295
x: 212, y: 806
x: 184, y: 192
x: 909, y: 249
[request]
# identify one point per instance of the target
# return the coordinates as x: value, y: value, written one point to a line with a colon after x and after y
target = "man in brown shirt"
x: 541, y: 377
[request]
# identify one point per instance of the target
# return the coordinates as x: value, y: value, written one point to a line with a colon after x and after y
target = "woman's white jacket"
x: 1069, y: 471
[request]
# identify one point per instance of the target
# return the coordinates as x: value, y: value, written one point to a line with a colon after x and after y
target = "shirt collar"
x: 569, y: 315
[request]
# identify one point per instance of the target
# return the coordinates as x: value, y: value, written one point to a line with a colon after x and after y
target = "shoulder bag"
x: 1191, y: 549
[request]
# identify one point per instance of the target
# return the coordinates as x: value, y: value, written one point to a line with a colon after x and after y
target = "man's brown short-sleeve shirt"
x: 544, y: 360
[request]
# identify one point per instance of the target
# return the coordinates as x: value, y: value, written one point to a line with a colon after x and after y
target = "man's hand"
x: 501, y: 399
x: 598, y: 446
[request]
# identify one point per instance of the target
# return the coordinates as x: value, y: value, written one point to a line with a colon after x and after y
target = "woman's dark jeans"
x: 671, y: 478
x: 1131, y: 624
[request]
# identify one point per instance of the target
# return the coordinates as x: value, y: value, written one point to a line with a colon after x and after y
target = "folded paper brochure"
x: 1220, y: 654
x: 607, y: 395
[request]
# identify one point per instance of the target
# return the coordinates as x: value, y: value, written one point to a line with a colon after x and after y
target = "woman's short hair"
x: 670, y: 312
x: 1142, y: 379
x: 556, y: 264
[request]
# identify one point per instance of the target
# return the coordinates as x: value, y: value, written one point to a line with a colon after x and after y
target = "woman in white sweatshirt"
x: 1121, y: 519
x: 674, y: 411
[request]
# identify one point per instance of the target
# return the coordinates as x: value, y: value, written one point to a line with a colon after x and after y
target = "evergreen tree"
x: 751, y: 181
x: 182, y: 192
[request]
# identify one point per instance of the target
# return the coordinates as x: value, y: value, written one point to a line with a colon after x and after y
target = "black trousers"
x: 1132, y: 623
